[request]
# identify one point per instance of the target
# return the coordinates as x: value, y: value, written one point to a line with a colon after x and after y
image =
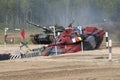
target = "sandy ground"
x: 89, y: 65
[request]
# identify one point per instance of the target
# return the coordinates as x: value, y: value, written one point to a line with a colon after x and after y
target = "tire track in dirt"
x: 59, y: 72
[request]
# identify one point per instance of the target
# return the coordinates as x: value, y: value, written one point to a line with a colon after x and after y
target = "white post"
x: 80, y: 28
x: 107, y: 43
x: 5, y: 34
x: 110, y: 50
x: 55, y: 38
x: 16, y: 29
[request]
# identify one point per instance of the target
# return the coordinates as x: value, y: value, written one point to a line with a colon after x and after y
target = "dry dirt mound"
x: 89, y: 65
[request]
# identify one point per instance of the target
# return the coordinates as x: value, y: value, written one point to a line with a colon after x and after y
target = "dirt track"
x: 89, y: 65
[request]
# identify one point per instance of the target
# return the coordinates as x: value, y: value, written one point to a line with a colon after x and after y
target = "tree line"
x: 61, y: 12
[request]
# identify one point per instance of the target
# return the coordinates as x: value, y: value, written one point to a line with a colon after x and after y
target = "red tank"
x: 69, y: 41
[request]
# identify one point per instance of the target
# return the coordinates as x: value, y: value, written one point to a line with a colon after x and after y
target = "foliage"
x: 50, y: 12
x: 13, y: 13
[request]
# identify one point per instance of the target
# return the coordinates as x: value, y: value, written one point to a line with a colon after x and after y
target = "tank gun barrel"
x: 46, y: 30
x: 70, y: 25
x: 34, y: 24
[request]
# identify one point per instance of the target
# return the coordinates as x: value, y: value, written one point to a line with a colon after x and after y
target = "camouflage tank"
x: 47, y: 36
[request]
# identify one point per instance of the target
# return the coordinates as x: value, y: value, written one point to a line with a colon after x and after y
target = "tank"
x: 47, y: 36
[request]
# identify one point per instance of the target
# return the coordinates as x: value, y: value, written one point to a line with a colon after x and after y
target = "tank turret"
x: 47, y: 36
